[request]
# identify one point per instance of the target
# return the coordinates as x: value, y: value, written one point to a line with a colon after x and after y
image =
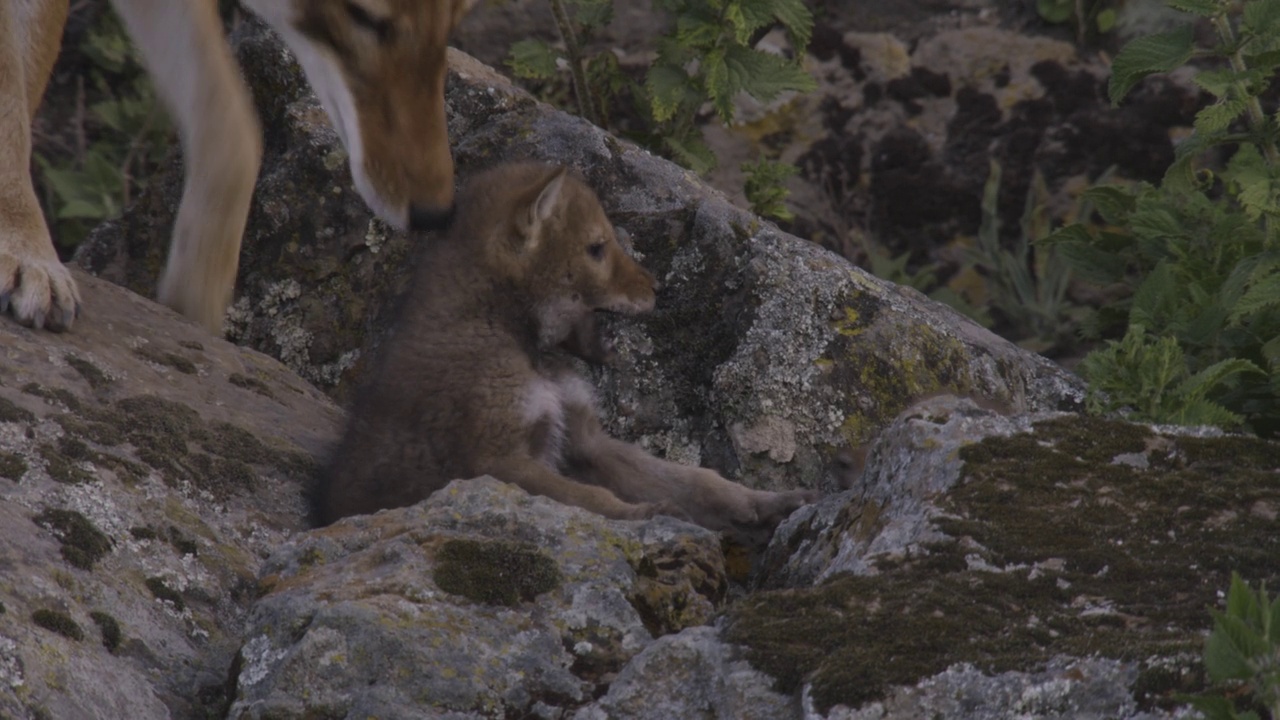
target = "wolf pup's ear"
x: 542, y: 208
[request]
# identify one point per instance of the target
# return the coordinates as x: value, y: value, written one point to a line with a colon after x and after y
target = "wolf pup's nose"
x: 422, y: 219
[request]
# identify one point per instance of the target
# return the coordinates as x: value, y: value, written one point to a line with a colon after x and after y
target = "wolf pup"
x: 377, y: 66
x: 473, y: 379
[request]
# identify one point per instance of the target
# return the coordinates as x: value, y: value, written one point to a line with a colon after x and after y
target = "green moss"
x: 83, y: 544
x: 495, y: 572
x: 142, y: 533
x: 60, y: 467
x: 90, y: 372
x: 58, y: 622
x: 12, y: 466
x: 106, y: 433
x: 191, y: 345
x: 110, y: 629
x: 219, y: 476
x: 250, y: 383
x: 159, y: 429
x: 61, y: 396
x: 12, y: 413
x: 164, y: 357
x: 1083, y: 557
x: 180, y: 542
x: 162, y: 591
x: 235, y: 443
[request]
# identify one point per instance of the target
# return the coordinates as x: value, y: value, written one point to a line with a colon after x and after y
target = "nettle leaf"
x: 533, y: 59
x: 1113, y: 203
x: 667, y: 86
x: 1261, y: 296
x: 1257, y: 191
x: 1227, y: 651
x: 764, y: 75
x: 1055, y: 11
x: 1203, y: 8
x: 1156, y: 298
x: 747, y: 16
x: 594, y: 13
x: 691, y: 152
x: 1216, y: 82
x: 1219, y: 116
x: 1146, y: 55
x: 1199, y: 385
x: 1090, y: 263
x: 721, y: 83
x: 696, y: 30
x: 1261, y: 18
x: 796, y: 17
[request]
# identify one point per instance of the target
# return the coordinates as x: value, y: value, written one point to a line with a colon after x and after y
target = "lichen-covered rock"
x: 482, y: 601
x: 1012, y: 545
x: 146, y: 470
x: 765, y: 355
x: 692, y: 674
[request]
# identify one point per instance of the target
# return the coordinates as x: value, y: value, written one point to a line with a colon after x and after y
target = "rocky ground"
x: 982, y: 552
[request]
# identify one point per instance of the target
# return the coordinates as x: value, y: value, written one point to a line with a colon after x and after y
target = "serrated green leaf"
x: 1199, y: 385
x: 1203, y: 8
x: 667, y: 87
x: 1213, y: 707
x: 764, y: 75
x: 1261, y: 18
x: 1113, y: 203
x: 797, y: 19
x: 691, y: 152
x: 594, y: 13
x: 1155, y: 297
x: 1216, y: 82
x: 1262, y: 295
x: 1219, y: 116
x: 747, y: 16
x: 1224, y: 659
x: 697, y: 30
x: 533, y: 59
x: 1090, y: 263
x: 1241, y: 604
x: 720, y: 83
x: 1146, y: 55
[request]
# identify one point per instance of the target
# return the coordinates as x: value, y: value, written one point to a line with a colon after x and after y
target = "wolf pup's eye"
x: 379, y: 26
x: 596, y: 250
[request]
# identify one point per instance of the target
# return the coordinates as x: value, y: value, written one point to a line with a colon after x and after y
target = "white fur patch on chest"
x: 545, y: 407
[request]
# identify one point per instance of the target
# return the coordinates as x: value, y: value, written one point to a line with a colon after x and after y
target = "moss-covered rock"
x: 1069, y: 537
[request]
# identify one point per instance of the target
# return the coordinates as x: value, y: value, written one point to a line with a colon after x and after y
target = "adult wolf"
x: 378, y: 67
x: 473, y: 381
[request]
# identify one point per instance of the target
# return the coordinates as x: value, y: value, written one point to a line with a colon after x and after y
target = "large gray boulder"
x: 146, y: 471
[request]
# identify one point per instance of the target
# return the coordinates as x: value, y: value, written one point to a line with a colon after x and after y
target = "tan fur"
x: 474, y: 381
x: 378, y: 67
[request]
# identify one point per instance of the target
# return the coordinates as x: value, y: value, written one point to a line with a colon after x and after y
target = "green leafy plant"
x: 1027, y: 284
x: 1196, y: 259
x: 122, y: 136
x: 707, y: 58
x: 1243, y: 653
x: 764, y: 188
x: 1099, y: 15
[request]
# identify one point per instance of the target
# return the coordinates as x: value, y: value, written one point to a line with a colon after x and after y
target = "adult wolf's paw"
x: 38, y: 289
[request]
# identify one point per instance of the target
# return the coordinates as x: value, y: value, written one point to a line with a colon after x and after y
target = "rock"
x: 1046, y: 566
x: 480, y: 602
x: 146, y: 469
x: 766, y: 353
x: 692, y: 674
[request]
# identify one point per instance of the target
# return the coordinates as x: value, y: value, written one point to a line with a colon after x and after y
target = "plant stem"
x: 586, y: 108
x: 1238, y: 65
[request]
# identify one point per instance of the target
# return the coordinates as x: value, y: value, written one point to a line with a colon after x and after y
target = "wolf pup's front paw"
x: 36, y: 288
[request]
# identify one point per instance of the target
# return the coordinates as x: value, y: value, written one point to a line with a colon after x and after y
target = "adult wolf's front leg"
x: 34, y: 285
x: 187, y: 55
